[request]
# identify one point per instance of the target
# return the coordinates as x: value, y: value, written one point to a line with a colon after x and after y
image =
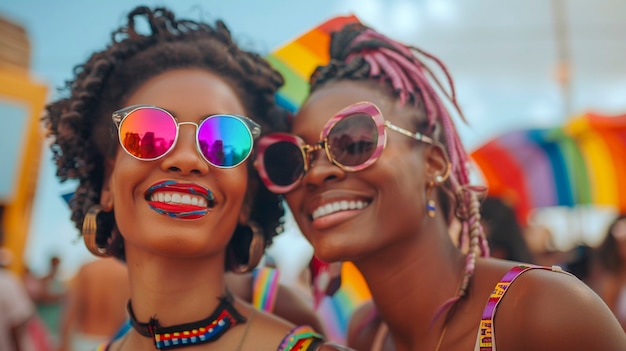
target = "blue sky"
x: 502, y: 54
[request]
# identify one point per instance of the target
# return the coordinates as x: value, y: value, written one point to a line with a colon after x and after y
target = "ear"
x: 437, y: 163
x: 106, y: 194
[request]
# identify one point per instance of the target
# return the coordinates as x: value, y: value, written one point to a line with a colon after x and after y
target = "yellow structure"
x: 22, y: 100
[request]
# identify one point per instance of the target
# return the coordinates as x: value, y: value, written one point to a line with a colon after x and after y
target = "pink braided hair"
x: 408, y: 77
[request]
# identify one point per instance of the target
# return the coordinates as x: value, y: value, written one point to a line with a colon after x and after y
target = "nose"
x: 321, y: 170
x: 185, y: 157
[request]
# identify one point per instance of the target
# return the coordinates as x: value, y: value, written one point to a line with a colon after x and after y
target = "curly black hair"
x: 80, y: 127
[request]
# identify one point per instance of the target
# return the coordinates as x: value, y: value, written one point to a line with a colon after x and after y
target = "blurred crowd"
x: 602, y: 267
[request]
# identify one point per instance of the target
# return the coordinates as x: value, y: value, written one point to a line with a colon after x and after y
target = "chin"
x: 332, y: 253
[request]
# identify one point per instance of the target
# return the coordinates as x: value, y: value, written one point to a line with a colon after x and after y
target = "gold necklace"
x: 122, y: 342
x: 443, y: 334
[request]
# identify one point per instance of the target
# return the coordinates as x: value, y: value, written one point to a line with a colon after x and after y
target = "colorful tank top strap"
x: 264, y: 288
x: 301, y: 338
x: 486, y: 339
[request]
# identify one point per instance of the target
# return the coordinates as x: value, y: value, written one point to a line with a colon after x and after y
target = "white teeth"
x: 333, y: 207
x: 186, y: 200
x: 178, y: 198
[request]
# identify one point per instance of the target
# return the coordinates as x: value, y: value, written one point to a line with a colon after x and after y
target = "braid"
x: 79, y: 124
x: 359, y: 53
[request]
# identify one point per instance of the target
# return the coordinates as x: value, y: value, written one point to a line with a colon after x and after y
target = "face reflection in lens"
x: 352, y: 141
x: 148, y: 133
x: 224, y: 140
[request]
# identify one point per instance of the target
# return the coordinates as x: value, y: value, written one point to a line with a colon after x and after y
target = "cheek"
x: 233, y: 183
x: 127, y: 172
x: 402, y: 167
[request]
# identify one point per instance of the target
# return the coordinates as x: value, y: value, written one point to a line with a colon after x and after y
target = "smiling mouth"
x: 338, y: 206
x: 180, y: 200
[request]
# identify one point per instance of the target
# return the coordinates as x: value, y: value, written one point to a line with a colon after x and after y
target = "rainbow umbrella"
x: 579, y: 163
x: 296, y: 61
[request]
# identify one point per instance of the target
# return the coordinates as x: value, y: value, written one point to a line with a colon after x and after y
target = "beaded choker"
x: 207, y: 330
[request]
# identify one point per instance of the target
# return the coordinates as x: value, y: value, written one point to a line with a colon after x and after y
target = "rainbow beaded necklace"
x: 207, y: 330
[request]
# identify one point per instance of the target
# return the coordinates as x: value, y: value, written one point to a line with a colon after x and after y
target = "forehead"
x: 328, y: 100
x: 192, y: 90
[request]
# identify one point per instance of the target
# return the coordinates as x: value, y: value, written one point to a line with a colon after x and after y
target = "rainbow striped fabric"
x: 297, y: 59
x: 582, y: 162
x: 264, y: 288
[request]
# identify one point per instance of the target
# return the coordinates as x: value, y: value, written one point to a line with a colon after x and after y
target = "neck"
x: 419, y: 275
x: 174, y: 290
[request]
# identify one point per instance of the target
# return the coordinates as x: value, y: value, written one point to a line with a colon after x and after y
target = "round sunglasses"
x: 353, y: 139
x: 148, y: 133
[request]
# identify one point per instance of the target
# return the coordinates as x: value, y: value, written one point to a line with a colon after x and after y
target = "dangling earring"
x: 255, y: 251
x: 90, y: 232
x: 430, y: 203
x: 431, y: 207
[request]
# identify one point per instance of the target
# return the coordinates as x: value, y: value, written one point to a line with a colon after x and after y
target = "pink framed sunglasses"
x: 353, y: 139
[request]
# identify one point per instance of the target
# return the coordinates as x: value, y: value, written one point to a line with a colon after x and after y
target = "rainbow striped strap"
x: 264, y: 288
x: 486, y: 330
x: 301, y: 338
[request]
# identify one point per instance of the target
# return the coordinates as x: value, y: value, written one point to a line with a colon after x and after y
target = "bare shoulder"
x: 552, y: 310
x: 333, y: 347
x: 269, y: 332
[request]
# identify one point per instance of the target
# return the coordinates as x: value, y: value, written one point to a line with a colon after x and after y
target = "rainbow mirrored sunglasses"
x: 148, y: 133
x: 353, y: 139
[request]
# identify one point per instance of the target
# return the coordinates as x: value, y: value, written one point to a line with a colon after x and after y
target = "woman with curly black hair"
x: 158, y: 128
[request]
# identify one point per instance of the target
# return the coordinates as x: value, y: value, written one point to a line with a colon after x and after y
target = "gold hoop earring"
x: 255, y: 251
x: 90, y: 232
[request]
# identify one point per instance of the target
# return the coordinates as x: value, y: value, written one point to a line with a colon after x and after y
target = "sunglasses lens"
x: 225, y: 141
x: 147, y: 133
x: 283, y: 163
x: 352, y: 141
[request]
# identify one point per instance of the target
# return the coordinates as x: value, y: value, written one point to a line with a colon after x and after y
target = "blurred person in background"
x: 503, y: 231
x: 540, y: 241
x: 610, y: 282
x: 16, y: 309
x: 48, y: 292
x: 96, y: 305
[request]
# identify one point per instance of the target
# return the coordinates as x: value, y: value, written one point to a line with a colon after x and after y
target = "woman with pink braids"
x: 375, y: 173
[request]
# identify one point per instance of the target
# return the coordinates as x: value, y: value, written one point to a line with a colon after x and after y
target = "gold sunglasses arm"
x: 417, y: 136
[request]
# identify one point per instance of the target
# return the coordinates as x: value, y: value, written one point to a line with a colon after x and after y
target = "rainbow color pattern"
x: 264, y: 290
x: 579, y: 163
x: 211, y: 331
x: 296, y: 61
x: 335, y: 311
